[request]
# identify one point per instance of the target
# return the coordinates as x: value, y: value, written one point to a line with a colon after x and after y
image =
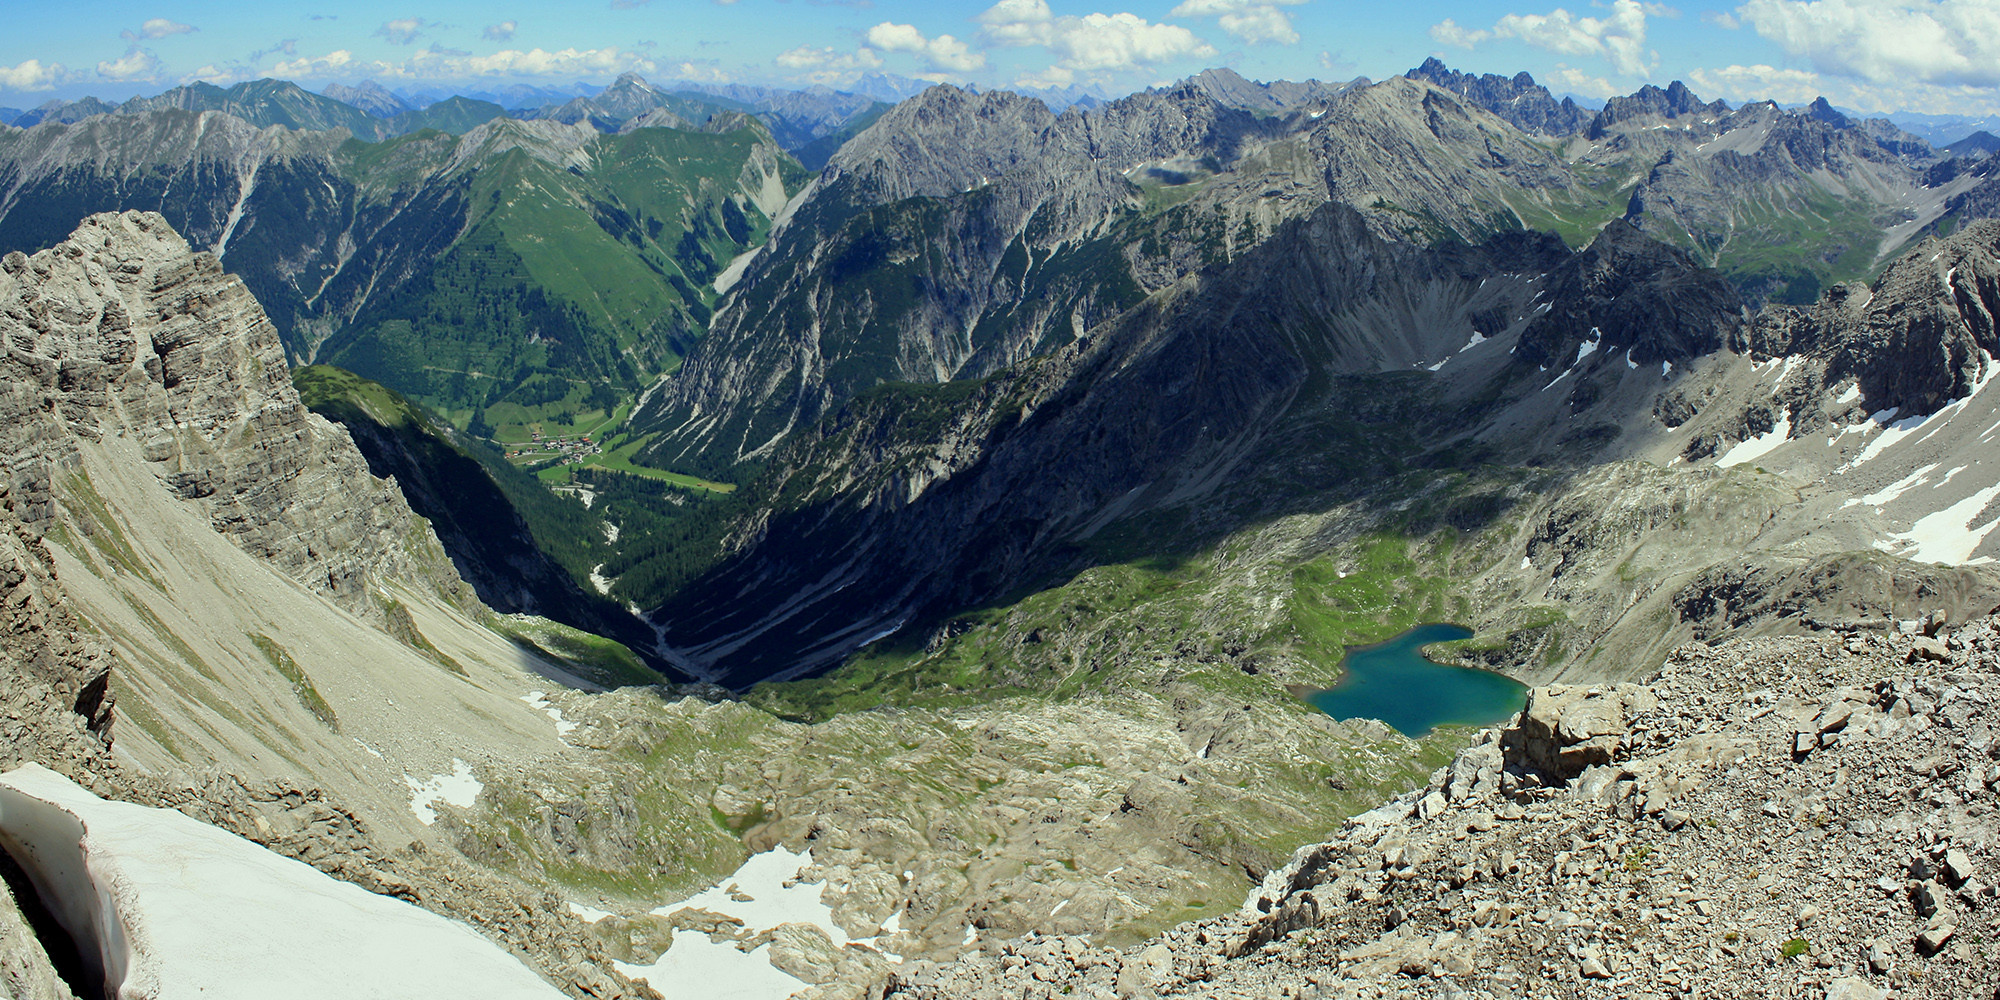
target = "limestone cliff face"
x: 1925, y: 334
x: 122, y: 330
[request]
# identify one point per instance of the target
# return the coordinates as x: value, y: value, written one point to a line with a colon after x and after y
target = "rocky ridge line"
x: 122, y: 331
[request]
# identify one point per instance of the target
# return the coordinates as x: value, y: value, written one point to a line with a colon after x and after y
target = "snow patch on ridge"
x: 168, y: 906
x: 1948, y: 536
x: 764, y: 893
x: 540, y: 699
x: 1889, y: 493
x: 1759, y: 446
x: 458, y: 788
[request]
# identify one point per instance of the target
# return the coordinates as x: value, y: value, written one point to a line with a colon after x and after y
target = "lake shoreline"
x: 1393, y: 682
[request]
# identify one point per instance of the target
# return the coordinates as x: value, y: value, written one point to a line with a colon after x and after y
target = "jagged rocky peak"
x: 65, y: 112
x: 1519, y: 99
x: 369, y: 96
x: 944, y: 141
x: 1231, y: 89
x: 1821, y: 111
x: 122, y: 337
x: 1676, y: 101
x: 629, y: 95
x: 1628, y: 291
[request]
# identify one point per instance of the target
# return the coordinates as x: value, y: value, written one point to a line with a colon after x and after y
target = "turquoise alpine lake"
x: 1392, y: 681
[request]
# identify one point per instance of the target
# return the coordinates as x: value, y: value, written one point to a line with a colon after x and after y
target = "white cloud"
x: 1122, y: 41
x: 335, y: 63
x: 211, y: 73
x: 1948, y: 42
x: 1758, y: 83
x: 943, y: 52
x: 31, y: 75
x: 1250, y: 21
x: 1088, y: 44
x: 533, y: 62
x: 701, y: 72
x: 136, y: 64
x: 499, y: 32
x: 1448, y: 32
x: 1576, y: 81
x: 453, y: 64
x: 157, y: 27
x: 828, y: 65
x: 1017, y: 22
x: 1619, y: 38
x: 403, y: 30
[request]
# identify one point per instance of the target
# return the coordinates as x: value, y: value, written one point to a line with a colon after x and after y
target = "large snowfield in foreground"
x: 174, y: 908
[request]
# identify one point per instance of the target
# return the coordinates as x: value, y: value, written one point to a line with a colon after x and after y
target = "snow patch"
x: 589, y: 914
x: 1890, y: 492
x: 1477, y: 339
x: 763, y: 893
x: 599, y: 580
x: 1759, y: 446
x: 169, y: 906
x: 1588, y: 347
x: 1666, y: 368
x: 1790, y: 364
x: 540, y: 699
x: 698, y: 967
x: 1949, y: 536
x: 458, y: 788
x: 1901, y: 429
x: 1527, y: 563
x: 1852, y: 393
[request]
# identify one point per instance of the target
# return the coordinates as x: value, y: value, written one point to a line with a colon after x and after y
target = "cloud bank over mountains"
x: 1941, y: 55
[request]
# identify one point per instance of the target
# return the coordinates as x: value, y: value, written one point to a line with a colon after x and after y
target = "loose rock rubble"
x: 1807, y: 816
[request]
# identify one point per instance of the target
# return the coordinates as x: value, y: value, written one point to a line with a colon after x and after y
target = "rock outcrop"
x: 133, y: 364
x: 121, y: 330
x: 1763, y: 815
x: 1925, y: 334
x: 1627, y: 292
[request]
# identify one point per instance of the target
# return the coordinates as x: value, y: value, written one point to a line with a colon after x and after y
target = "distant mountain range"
x: 730, y: 280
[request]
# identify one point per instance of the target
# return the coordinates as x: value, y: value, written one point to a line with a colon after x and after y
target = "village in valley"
x: 569, y: 450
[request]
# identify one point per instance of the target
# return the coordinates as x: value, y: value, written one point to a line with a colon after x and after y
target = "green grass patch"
x: 401, y: 625
x: 302, y: 688
x: 594, y: 657
x: 94, y: 519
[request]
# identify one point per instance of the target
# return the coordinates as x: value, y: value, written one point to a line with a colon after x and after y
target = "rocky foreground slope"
x: 1807, y: 816
x: 196, y: 569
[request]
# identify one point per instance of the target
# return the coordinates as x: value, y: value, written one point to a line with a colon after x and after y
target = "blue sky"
x: 1875, y: 55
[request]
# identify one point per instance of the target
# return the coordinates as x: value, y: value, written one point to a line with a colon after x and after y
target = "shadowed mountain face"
x: 887, y: 508
x: 907, y: 502
x: 963, y: 233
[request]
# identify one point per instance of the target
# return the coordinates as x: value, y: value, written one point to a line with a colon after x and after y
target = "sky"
x: 1936, y: 56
